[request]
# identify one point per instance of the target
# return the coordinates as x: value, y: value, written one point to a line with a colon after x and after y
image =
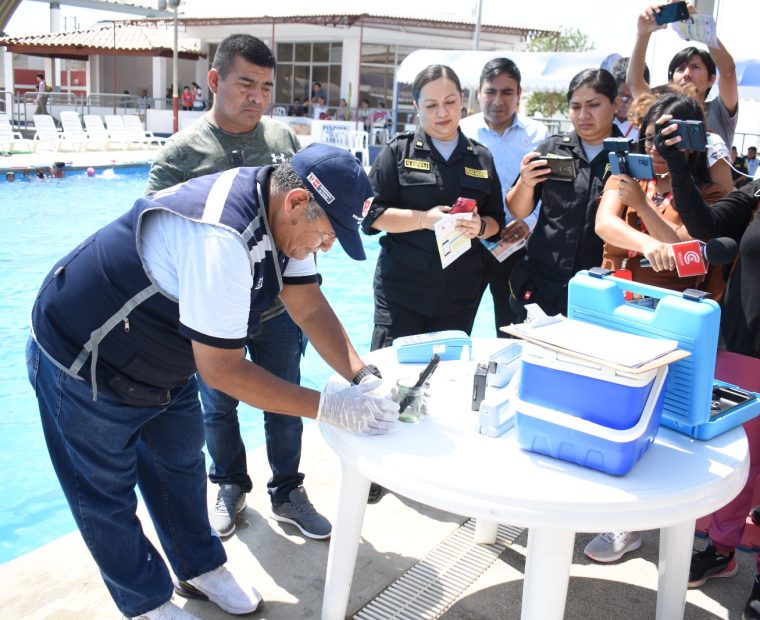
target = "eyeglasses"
x: 647, y: 141
x: 325, y: 238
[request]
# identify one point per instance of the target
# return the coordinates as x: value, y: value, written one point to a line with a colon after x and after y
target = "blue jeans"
x: 276, y: 346
x: 100, y: 450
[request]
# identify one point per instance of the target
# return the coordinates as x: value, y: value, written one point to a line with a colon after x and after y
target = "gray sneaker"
x: 299, y: 511
x: 230, y: 501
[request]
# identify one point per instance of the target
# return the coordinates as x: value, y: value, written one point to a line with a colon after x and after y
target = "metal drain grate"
x: 432, y: 585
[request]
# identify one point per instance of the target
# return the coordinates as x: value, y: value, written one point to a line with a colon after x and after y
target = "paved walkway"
x: 60, y: 581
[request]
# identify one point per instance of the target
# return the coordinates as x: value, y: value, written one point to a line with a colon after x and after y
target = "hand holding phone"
x: 464, y: 205
x: 562, y: 167
x: 674, y: 12
x: 693, y: 136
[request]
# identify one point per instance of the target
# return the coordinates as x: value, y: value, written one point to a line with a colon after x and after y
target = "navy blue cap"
x: 340, y: 186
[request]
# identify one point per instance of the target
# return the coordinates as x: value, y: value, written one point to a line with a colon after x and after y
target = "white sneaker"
x: 611, y: 546
x: 167, y: 611
x: 221, y: 587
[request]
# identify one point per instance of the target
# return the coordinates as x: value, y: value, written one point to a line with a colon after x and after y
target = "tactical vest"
x: 99, y: 304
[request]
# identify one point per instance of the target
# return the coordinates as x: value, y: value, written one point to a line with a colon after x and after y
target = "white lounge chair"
x: 97, y: 131
x: 71, y: 129
x: 134, y: 126
x: 11, y: 141
x: 45, y: 132
x: 118, y: 132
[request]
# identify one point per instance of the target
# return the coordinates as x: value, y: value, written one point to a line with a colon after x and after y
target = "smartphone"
x: 674, y: 12
x: 562, y: 167
x: 637, y: 165
x: 464, y: 205
x: 693, y: 136
x: 640, y: 166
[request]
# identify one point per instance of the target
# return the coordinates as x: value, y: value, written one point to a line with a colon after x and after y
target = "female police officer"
x: 564, y: 241
x: 416, y: 178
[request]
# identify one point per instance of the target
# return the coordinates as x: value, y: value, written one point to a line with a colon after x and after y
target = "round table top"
x: 442, y: 461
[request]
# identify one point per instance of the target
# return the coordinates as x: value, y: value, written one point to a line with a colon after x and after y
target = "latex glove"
x: 355, y: 410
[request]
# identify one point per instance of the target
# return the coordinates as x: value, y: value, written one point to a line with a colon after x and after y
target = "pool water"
x: 42, y: 220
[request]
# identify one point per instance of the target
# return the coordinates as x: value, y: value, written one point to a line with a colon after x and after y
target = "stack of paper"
x: 602, y: 343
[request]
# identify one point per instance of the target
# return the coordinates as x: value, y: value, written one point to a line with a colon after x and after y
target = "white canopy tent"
x: 544, y: 71
x: 540, y: 71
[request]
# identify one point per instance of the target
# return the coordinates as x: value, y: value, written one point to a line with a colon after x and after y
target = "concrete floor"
x: 60, y: 581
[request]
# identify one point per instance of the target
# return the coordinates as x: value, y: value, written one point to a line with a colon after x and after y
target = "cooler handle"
x: 644, y: 289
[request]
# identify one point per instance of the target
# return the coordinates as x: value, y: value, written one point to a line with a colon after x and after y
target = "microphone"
x: 720, y: 251
x: 717, y: 251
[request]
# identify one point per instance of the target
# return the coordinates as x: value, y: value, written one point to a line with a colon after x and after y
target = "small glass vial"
x: 409, y: 398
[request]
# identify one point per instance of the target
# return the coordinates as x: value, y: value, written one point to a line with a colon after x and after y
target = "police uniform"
x: 564, y: 241
x: 413, y: 293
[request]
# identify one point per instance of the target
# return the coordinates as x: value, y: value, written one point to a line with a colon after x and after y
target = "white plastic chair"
x: 359, y: 145
x: 134, y: 127
x: 9, y: 139
x: 45, y: 132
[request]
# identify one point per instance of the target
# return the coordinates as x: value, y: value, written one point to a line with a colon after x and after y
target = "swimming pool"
x: 42, y: 220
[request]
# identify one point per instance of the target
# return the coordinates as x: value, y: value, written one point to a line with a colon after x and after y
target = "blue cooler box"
x: 592, y: 415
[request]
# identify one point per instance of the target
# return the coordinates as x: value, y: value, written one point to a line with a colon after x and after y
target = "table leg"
x: 485, y: 532
x: 547, y: 572
x: 676, y: 543
x: 344, y: 542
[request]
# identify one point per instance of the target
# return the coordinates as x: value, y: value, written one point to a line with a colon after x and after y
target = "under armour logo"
x: 279, y: 159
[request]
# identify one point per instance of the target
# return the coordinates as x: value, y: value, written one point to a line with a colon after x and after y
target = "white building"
x: 352, y: 55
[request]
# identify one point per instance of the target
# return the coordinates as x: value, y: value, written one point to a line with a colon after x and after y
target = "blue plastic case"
x: 689, y: 318
x: 418, y: 349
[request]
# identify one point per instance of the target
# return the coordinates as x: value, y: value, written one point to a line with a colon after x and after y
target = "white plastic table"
x: 442, y: 462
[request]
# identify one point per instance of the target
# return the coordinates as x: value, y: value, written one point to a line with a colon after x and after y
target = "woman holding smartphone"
x: 417, y: 178
x: 638, y: 218
x: 564, y: 241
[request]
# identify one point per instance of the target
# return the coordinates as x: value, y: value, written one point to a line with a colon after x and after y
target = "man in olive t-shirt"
x: 235, y: 133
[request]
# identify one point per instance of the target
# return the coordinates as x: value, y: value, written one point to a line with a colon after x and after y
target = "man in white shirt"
x: 509, y: 136
x: 181, y: 280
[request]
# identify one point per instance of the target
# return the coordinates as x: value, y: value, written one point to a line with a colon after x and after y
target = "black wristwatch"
x: 369, y: 369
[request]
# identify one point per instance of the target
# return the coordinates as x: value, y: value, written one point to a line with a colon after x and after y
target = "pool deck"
x: 61, y: 581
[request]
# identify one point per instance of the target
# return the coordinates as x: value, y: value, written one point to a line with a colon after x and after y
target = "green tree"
x: 566, y: 40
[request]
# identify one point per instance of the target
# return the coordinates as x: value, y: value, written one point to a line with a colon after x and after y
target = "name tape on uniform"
x: 416, y: 164
x: 474, y: 172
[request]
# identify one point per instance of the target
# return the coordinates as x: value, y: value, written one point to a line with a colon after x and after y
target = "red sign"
x: 689, y: 260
